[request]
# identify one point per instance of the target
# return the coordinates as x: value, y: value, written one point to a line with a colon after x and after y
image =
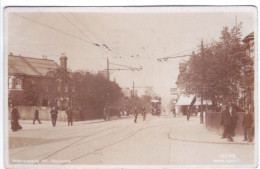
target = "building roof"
x: 30, y: 66
x: 248, y: 37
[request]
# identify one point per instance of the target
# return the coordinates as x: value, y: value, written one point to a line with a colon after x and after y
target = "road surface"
x: 157, y: 141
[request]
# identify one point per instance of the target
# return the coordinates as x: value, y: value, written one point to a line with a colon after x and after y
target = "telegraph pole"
x: 202, y: 71
x: 133, y: 88
x: 107, y: 68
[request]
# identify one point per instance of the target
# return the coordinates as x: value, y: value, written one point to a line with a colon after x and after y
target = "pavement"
x: 199, y: 133
x: 156, y: 141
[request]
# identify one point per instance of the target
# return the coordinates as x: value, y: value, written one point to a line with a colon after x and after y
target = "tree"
x: 217, y: 73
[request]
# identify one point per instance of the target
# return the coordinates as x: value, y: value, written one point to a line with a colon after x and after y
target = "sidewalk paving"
x: 193, y: 131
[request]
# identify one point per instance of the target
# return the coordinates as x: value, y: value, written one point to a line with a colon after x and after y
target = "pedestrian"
x: 188, y: 114
x: 234, y: 118
x: 36, y: 116
x: 173, y: 112
x: 226, y: 121
x: 247, y: 124
x: 223, y: 109
x: 135, y: 114
x: 69, y: 113
x: 108, y: 112
x: 105, y: 113
x: 54, y: 115
x: 15, y: 116
x: 144, y: 113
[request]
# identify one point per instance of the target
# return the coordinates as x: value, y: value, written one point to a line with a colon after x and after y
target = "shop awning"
x: 205, y: 102
x: 154, y: 101
x: 185, y: 100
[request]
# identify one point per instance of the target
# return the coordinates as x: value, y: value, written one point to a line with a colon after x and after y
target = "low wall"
x: 213, y: 122
x: 27, y: 113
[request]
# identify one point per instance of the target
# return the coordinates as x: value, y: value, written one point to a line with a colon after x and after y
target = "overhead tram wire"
x: 54, y: 29
x: 104, y: 43
x: 58, y: 30
x: 131, y: 68
x: 80, y: 22
x: 76, y: 27
x: 95, y: 34
x: 99, y: 22
x: 79, y: 29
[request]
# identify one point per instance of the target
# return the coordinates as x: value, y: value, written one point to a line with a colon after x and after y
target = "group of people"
x: 54, y: 116
x: 15, y: 116
x: 229, y: 121
x: 106, y: 113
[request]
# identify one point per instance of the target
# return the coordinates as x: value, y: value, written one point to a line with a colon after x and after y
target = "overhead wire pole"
x: 202, y: 81
x: 133, y: 89
x: 108, y: 68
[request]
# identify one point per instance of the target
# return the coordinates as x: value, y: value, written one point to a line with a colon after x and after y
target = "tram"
x: 156, y: 106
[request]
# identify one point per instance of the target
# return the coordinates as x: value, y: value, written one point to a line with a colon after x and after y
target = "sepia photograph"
x: 122, y: 87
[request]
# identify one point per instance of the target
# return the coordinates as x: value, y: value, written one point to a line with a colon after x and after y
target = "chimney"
x: 44, y: 57
x: 63, y: 61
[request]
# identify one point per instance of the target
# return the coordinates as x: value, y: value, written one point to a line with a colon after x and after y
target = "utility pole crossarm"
x: 171, y: 57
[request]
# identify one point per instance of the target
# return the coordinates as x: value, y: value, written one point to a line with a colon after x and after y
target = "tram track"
x: 82, y: 136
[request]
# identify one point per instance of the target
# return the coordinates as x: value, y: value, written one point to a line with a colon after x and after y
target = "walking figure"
x: 69, y: 113
x: 247, y: 124
x: 36, y: 116
x: 173, y: 112
x: 188, y: 114
x: 135, y: 114
x: 105, y: 113
x: 54, y: 114
x: 144, y: 113
x: 15, y: 116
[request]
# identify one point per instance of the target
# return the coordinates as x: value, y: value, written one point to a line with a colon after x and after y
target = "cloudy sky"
x: 135, y: 37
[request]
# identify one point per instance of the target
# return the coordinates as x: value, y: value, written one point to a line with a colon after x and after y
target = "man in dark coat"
x: 69, y: 113
x: 234, y: 118
x: 135, y: 114
x: 226, y: 121
x: 15, y: 116
x: 144, y: 113
x: 247, y: 124
x: 36, y: 116
x: 173, y: 112
x: 188, y: 113
x: 54, y: 115
x: 105, y: 113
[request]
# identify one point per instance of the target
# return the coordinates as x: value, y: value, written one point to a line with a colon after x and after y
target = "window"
x: 10, y: 83
x: 18, y: 84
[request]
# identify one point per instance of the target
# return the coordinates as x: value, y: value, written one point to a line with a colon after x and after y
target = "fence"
x: 213, y: 122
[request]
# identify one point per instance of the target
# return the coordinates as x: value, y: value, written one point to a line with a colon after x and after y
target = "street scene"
x: 151, y: 86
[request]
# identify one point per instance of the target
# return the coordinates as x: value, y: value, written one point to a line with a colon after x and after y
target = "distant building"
x: 127, y: 92
x: 184, y: 98
x: 103, y: 73
x: 149, y: 91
